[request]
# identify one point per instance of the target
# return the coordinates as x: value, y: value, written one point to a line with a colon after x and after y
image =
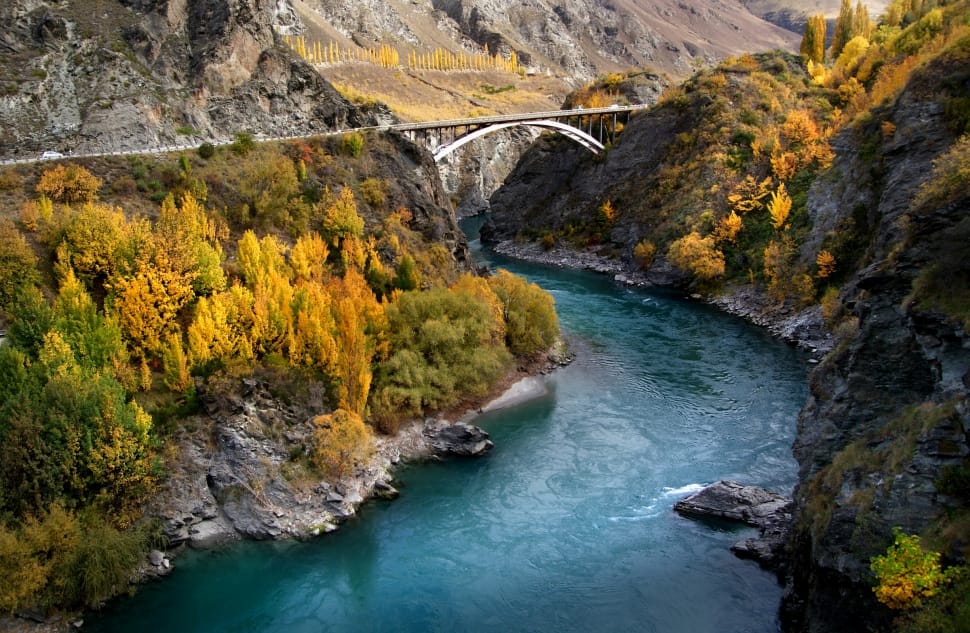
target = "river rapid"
x: 567, y: 524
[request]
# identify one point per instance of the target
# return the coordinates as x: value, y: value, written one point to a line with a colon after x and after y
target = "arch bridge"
x: 591, y: 128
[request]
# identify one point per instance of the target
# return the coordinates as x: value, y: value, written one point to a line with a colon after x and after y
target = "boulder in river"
x: 460, y: 438
x: 751, y: 505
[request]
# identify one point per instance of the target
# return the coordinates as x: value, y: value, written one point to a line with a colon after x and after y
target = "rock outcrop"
x: 239, y: 472
x: 150, y: 73
x: 751, y: 505
x: 460, y: 439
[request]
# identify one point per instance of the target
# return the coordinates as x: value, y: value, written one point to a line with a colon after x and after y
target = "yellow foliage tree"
x: 698, y: 256
x: 341, y: 440
x: 826, y: 264
x: 91, y: 241
x: 71, y: 184
x: 728, y: 227
x: 748, y: 195
x: 175, y: 364
x: 147, y: 304
x: 340, y: 218
x: 222, y: 327
x: 479, y: 289
x: 906, y: 574
x: 309, y: 258
x: 644, y: 252
x: 779, y: 207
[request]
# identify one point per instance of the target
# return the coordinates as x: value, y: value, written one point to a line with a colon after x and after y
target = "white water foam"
x: 683, y: 490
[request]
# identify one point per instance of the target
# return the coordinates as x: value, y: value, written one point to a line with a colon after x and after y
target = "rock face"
x: 238, y: 476
x: 887, y: 414
x: 473, y: 172
x: 751, y: 505
x: 176, y: 72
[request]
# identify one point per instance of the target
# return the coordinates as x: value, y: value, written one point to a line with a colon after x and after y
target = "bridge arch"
x: 568, y: 131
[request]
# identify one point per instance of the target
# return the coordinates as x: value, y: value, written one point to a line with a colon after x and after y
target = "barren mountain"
x: 106, y: 75
x: 575, y: 38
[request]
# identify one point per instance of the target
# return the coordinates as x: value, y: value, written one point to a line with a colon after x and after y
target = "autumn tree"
x: 907, y: 574
x: 340, y: 218
x: 728, y: 228
x: 187, y: 236
x: 359, y: 320
x: 91, y: 241
x: 779, y: 207
x: 825, y: 262
x: 813, y: 42
x: 70, y: 184
x: 843, y: 28
x: 698, y: 256
x: 341, y: 441
x: 175, y: 363
x: 146, y: 304
x: 644, y: 253
x: 748, y: 195
x: 222, y: 327
x: 308, y: 259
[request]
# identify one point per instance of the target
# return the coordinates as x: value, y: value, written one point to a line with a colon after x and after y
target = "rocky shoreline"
x: 803, y: 327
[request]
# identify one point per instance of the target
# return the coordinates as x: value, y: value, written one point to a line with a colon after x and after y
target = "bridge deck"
x: 510, y: 118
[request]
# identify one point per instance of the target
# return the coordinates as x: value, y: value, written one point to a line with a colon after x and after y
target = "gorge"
x: 824, y: 200
x: 567, y: 523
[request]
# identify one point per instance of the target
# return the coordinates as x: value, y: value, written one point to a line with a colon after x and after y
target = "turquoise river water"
x: 567, y: 524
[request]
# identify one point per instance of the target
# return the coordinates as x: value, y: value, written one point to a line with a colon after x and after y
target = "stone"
x: 731, y: 500
x: 460, y: 438
x: 156, y: 558
x: 751, y: 505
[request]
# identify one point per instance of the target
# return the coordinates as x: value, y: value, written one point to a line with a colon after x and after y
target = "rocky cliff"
x: 107, y: 76
x: 884, y: 439
x: 886, y: 425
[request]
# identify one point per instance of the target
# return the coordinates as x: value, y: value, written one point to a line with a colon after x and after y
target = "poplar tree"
x: 843, y: 28
x: 813, y: 42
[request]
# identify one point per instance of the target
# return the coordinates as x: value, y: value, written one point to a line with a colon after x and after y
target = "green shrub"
x: 530, y: 315
x: 352, y: 144
x: 442, y: 347
x: 243, y: 144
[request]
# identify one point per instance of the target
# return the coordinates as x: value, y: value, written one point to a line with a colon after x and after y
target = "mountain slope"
x: 573, y: 38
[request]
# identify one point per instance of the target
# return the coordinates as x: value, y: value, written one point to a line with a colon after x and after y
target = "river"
x: 567, y: 524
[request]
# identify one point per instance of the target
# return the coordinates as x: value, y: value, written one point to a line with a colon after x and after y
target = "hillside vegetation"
x: 125, y: 292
